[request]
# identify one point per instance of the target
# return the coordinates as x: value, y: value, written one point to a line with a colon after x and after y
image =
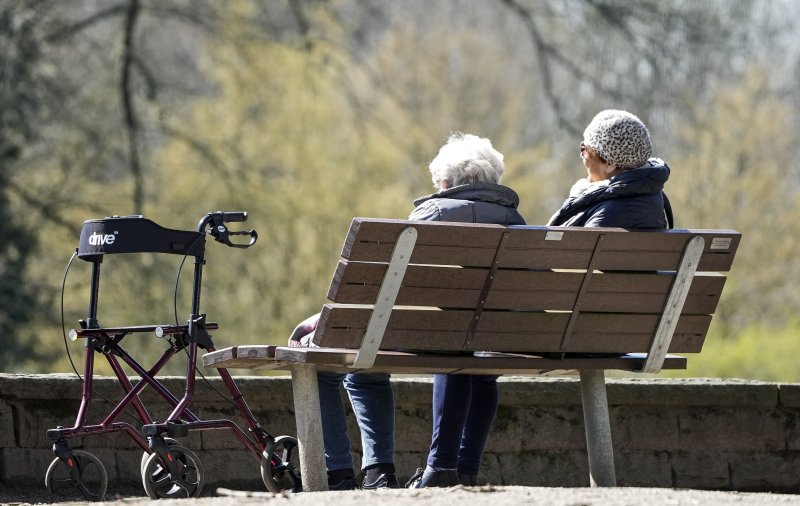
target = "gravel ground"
x: 496, y: 496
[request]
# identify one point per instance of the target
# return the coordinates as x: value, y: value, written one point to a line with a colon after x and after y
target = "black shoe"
x: 385, y: 480
x: 447, y: 478
x: 412, y: 482
x: 345, y: 484
x: 468, y: 480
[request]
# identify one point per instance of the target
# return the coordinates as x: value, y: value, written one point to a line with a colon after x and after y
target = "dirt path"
x: 460, y: 496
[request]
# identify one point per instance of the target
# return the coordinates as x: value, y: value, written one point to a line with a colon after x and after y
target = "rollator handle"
x: 216, y: 227
x: 237, y: 216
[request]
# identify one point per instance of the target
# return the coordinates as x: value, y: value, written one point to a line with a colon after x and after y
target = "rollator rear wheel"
x: 280, y: 466
x: 160, y: 484
x: 90, y: 484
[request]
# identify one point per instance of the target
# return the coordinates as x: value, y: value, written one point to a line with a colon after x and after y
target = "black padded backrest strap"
x: 134, y: 234
x: 668, y: 211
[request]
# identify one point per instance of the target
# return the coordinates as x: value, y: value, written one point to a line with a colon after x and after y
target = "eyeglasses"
x: 585, y: 148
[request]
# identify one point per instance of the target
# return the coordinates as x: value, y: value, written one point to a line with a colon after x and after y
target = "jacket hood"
x: 644, y: 182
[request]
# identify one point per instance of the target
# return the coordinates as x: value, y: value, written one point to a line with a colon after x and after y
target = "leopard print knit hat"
x: 619, y: 137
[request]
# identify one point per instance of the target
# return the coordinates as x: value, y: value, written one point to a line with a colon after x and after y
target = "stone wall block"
x: 642, y: 468
x: 232, y: 469
x: 40, y: 386
x: 765, y: 471
x: 117, y: 440
x: 792, y: 429
x: 789, y: 395
x: 700, y: 469
x: 644, y: 428
x: 272, y: 392
x: 413, y: 426
x: 24, y: 466
x: 545, y: 468
x: 549, y: 391
x: 730, y: 428
x: 127, y: 464
x: 538, y: 428
x: 37, y: 416
x: 7, y: 426
x: 691, y: 392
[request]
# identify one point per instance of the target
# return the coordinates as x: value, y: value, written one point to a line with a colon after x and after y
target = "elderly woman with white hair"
x: 466, y: 173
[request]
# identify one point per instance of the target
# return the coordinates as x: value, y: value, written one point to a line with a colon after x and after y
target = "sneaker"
x: 468, y: 480
x: 345, y: 484
x: 412, y: 482
x: 423, y: 479
x: 385, y: 480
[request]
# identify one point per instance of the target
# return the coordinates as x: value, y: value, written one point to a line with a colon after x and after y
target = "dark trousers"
x: 464, y: 407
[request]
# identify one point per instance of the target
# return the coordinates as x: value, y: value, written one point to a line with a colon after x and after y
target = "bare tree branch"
x: 70, y: 30
x: 126, y: 91
x: 543, y: 52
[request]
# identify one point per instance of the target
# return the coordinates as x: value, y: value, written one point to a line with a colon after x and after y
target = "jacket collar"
x: 485, y: 192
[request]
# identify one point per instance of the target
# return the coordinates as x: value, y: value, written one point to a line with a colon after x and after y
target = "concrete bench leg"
x: 598, y: 429
x: 309, y: 428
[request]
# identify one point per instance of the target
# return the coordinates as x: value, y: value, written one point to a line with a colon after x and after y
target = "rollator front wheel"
x: 188, y: 479
x: 170, y: 443
x: 83, y: 476
x: 280, y: 466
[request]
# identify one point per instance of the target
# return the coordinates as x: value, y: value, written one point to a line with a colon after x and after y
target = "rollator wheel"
x: 90, y: 483
x: 160, y: 484
x: 280, y: 466
x: 170, y: 443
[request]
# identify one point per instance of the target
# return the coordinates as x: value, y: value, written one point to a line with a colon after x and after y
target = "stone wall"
x: 704, y: 434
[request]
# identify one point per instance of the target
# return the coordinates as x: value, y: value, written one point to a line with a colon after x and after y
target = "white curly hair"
x: 466, y: 158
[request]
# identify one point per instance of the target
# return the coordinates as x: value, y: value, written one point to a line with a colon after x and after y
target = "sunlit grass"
x: 757, y: 352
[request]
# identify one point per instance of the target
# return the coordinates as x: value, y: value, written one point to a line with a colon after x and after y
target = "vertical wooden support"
x: 487, y: 286
x: 598, y: 429
x: 309, y: 427
x: 576, y: 307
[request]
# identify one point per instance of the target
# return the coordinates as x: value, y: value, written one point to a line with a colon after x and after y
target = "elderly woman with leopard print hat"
x: 624, y: 185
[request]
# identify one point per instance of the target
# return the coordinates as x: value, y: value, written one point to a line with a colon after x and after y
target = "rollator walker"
x: 168, y: 469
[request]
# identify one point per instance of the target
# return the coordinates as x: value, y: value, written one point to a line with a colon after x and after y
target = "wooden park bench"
x: 457, y: 298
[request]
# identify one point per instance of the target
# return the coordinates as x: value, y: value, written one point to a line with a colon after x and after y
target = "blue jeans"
x: 373, y: 404
x: 464, y: 407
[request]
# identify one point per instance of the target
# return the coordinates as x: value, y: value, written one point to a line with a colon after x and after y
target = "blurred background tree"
x: 306, y: 113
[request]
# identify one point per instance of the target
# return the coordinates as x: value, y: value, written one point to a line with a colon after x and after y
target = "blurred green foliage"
x: 306, y: 114
x: 756, y: 352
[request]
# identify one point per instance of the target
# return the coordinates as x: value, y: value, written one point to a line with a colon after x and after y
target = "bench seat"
x: 399, y: 362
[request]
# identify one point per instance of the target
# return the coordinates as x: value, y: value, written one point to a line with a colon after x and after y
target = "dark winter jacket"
x: 470, y: 203
x: 632, y: 199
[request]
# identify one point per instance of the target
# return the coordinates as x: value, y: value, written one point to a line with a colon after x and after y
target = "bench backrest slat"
x: 532, y: 247
x: 430, y: 285
x: 523, y: 331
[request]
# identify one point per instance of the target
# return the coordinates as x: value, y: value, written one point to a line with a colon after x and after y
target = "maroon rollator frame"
x: 170, y: 470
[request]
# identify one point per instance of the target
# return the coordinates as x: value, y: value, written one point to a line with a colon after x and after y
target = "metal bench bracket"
x: 392, y: 280
x: 674, y: 306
